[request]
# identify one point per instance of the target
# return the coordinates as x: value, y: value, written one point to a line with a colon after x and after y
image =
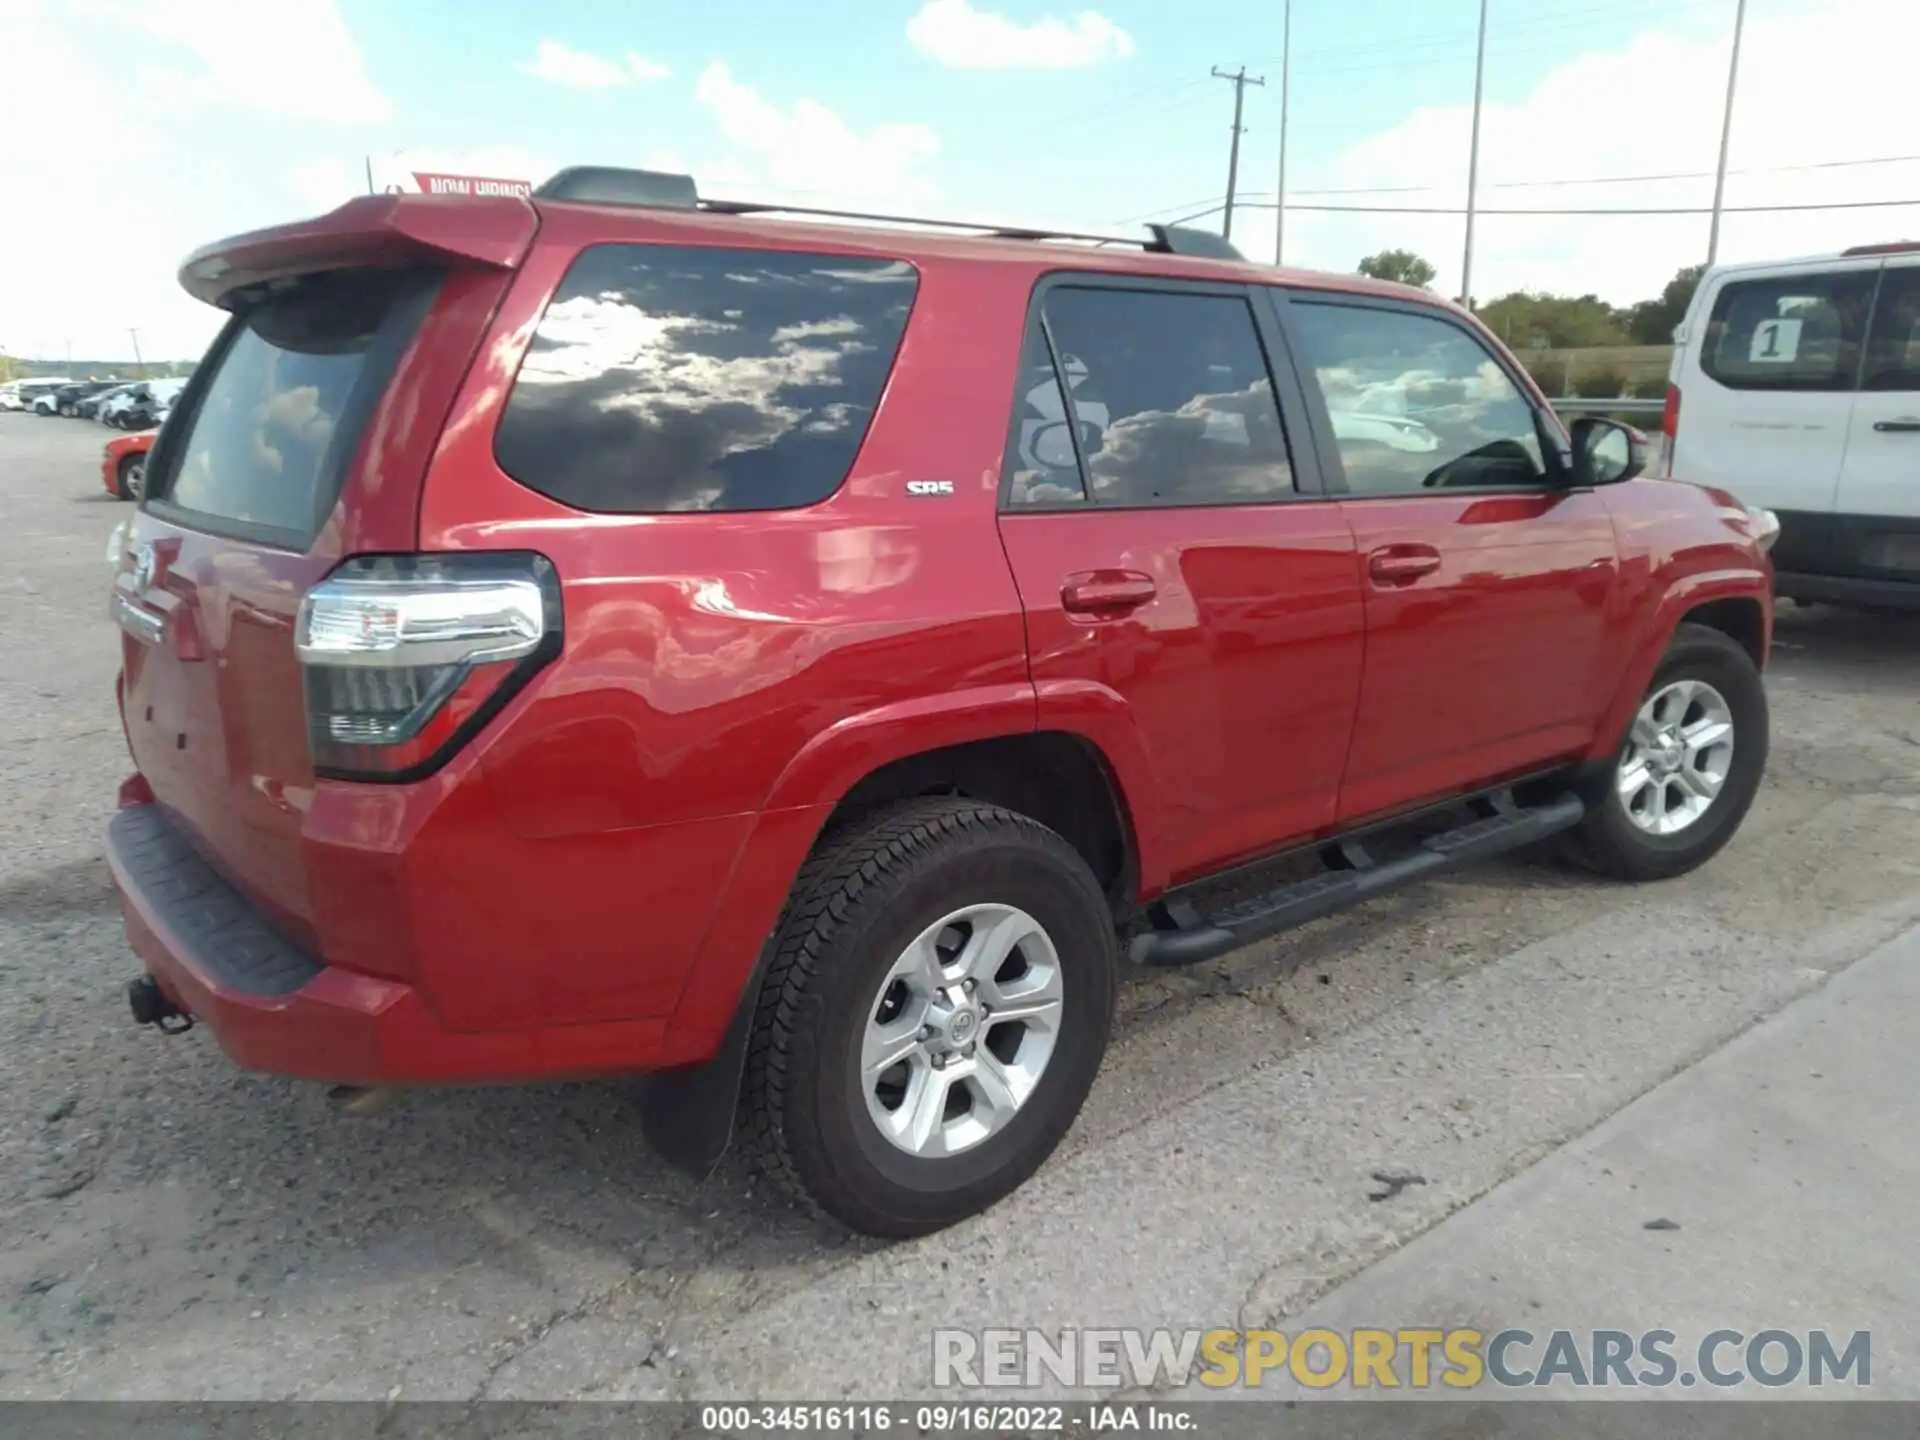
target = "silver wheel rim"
x: 136, y: 477
x: 1677, y: 758
x: 961, y: 1030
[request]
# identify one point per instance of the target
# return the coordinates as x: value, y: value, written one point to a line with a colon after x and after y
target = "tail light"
x: 405, y: 657
x: 1669, y: 429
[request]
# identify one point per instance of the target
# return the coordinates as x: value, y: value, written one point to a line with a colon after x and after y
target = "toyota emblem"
x: 143, y: 564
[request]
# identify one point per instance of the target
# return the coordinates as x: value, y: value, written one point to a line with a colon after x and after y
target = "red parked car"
x: 123, y: 464
x: 613, y: 632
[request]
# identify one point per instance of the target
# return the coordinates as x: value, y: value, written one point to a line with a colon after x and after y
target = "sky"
x: 140, y: 129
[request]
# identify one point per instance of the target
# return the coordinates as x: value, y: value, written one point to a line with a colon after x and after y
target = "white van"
x: 1796, y: 386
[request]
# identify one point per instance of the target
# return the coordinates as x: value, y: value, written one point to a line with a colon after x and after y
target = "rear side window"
x: 667, y: 378
x: 1171, y: 401
x: 1797, y: 332
x: 295, y: 376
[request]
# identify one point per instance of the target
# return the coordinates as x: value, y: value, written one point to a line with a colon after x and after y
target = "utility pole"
x: 1726, y: 132
x: 369, y: 160
x: 1473, y: 158
x: 1240, y: 83
x: 1280, y: 190
x: 138, y: 364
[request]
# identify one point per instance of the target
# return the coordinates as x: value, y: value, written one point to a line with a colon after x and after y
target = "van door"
x: 1876, y: 525
x: 1766, y: 390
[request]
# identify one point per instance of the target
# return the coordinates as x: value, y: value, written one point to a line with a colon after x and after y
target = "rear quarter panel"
x: 723, y: 667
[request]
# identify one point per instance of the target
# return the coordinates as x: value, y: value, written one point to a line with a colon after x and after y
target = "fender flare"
x: 688, y: 1111
x: 1679, y: 600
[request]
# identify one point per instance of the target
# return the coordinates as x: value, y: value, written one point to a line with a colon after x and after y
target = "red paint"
x: 586, y: 886
x: 115, y: 455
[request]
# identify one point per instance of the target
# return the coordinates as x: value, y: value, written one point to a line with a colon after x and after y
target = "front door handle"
x: 1402, y: 564
x: 1898, y: 427
x: 1106, y: 592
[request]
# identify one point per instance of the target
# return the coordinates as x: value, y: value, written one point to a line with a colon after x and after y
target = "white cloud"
x: 220, y: 51
x: 808, y: 147
x: 96, y: 245
x: 1809, y: 92
x: 954, y: 33
x: 583, y: 70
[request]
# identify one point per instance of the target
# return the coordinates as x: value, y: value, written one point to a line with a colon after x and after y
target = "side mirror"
x: 1605, y: 452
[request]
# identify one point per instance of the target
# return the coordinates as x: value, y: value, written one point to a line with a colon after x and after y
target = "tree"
x: 1533, y: 319
x: 1651, y: 322
x: 1401, y: 266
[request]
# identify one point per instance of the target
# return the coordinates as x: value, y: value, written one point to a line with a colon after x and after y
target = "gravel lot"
x: 176, y: 1228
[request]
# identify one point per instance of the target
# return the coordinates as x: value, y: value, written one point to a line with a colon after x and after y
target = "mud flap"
x: 687, y: 1114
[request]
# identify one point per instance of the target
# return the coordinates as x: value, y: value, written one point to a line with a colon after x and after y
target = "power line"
x: 1581, y: 210
x: 1622, y: 179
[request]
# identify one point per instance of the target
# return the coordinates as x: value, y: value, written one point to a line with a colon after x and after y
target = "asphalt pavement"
x: 174, y: 1227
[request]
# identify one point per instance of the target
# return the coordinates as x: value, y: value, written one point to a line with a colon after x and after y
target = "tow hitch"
x: 151, y: 1006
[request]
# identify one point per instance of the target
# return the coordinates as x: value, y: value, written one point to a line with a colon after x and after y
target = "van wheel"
x: 131, y: 478
x: 937, y: 1004
x: 1689, y: 767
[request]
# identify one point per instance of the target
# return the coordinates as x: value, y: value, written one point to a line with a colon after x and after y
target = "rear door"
x: 1487, y: 579
x: 1767, y: 389
x: 240, y: 522
x: 1174, y: 555
x: 1876, y: 523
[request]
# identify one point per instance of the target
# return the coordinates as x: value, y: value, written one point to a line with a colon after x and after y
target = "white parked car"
x: 1796, y: 386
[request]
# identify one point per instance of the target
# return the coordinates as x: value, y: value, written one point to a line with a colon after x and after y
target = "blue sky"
x: 197, y: 118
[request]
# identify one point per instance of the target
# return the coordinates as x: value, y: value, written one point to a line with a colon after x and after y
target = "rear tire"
x: 131, y: 478
x: 1673, y: 795
x: 887, y: 921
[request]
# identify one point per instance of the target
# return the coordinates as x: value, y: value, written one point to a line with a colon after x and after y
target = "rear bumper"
x: 276, y: 1009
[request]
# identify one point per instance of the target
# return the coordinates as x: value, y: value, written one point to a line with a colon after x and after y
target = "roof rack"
x: 661, y: 190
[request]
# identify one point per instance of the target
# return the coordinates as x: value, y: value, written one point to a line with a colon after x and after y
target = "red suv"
x: 613, y: 632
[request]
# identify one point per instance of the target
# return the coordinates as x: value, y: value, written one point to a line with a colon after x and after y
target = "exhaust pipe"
x: 362, y: 1100
x: 151, y: 1006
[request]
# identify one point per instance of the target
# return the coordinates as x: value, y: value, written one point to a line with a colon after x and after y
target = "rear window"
x: 1798, y: 332
x: 264, y: 448
x: 666, y: 378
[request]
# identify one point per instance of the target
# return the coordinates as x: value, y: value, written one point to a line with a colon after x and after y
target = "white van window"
x: 1796, y: 332
x: 1893, y: 348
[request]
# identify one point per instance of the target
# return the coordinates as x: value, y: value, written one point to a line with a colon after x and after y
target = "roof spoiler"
x: 367, y: 230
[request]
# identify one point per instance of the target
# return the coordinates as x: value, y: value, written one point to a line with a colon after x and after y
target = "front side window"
x: 1170, y: 399
x: 1800, y: 332
x: 1893, y: 347
x: 670, y: 378
x: 1417, y: 403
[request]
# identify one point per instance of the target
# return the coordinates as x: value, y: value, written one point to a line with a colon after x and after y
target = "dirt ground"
x: 174, y: 1227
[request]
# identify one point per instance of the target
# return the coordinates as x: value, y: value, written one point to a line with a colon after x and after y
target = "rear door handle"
x: 1106, y: 592
x: 1898, y: 427
x: 1402, y: 564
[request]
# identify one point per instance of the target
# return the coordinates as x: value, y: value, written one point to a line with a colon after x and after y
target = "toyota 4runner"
x: 619, y: 633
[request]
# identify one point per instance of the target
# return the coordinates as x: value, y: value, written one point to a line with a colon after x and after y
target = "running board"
x: 1189, y: 939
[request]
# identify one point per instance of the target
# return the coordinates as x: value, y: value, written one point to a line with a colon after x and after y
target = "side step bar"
x: 1190, y: 939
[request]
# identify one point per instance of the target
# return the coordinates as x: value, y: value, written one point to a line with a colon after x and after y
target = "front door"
x: 1487, y: 579
x: 1174, y: 572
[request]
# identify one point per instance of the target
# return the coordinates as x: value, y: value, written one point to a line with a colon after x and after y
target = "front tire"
x: 938, y: 1002
x: 131, y: 478
x: 1689, y: 767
